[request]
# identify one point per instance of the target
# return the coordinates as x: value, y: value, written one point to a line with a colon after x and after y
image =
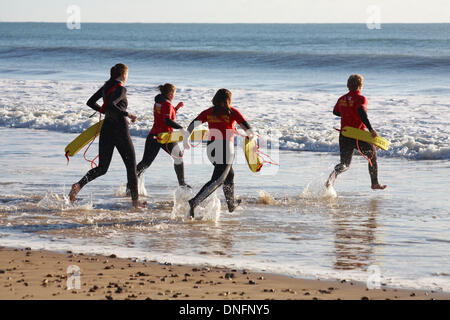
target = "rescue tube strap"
x: 359, y: 150
x: 261, y: 154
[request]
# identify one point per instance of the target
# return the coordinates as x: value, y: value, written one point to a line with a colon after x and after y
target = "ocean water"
x: 285, y: 79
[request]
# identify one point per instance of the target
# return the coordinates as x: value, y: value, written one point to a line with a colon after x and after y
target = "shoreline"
x: 39, y: 274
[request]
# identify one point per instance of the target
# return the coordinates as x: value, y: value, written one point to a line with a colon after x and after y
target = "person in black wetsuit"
x: 221, y: 119
x: 114, y: 132
x: 352, y: 108
x: 164, y: 114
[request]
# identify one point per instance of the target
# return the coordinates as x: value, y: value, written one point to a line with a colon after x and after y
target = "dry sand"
x: 27, y: 274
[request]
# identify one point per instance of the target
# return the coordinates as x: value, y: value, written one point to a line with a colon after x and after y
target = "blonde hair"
x: 167, y: 88
x: 355, y: 82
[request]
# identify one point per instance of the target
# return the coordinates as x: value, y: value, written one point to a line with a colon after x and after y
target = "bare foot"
x: 138, y: 204
x: 74, y: 191
x: 378, y: 187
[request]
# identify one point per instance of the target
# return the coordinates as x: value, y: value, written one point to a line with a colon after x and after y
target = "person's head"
x: 355, y: 82
x: 119, y: 72
x: 168, y: 90
x: 222, y: 100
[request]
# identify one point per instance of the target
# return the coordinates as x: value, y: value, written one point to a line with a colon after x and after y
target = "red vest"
x: 347, y: 106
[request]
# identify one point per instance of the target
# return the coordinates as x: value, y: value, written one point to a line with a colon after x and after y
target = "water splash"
x: 181, y: 197
x: 208, y: 210
x: 265, y: 198
x: 122, y: 190
x: 317, y: 190
x: 55, y: 201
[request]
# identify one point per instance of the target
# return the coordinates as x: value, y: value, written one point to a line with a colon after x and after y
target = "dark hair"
x: 167, y: 88
x: 118, y: 70
x: 222, y: 102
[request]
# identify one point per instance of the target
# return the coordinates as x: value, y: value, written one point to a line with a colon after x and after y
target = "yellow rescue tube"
x: 83, y: 139
x: 365, y: 136
x: 177, y: 136
x: 251, y: 154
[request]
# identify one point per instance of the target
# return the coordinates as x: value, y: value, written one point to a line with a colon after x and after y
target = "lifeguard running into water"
x: 352, y: 108
x: 164, y: 114
x: 114, y: 133
x: 221, y: 119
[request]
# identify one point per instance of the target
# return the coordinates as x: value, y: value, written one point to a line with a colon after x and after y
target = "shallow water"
x: 287, y: 223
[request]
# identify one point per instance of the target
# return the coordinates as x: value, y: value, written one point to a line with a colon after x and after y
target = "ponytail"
x: 167, y: 89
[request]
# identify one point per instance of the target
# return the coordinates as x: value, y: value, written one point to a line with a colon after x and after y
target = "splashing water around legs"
x: 124, y: 191
x: 319, y: 190
x: 208, y: 210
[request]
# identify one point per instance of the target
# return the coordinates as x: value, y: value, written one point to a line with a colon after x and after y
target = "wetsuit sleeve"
x: 363, y: 116
x: 172, y: 123
x: 191, y: 126
x: 237, y: 116
x: 169, y: 112
x: 119, y: 100
x: 202, y: 117
x: 92, y: 102
x: 244, y: 125
x: 336, y: 110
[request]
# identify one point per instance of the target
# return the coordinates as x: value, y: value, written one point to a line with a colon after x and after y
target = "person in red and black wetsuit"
x: 352, y: 108
x: 164, y: 121
x: 221, y: 119
x: 114, y: 133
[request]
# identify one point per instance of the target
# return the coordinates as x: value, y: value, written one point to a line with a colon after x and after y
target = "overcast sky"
x: 234, y: 11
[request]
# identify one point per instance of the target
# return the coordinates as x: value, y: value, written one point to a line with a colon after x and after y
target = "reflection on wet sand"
x: 355, y: 236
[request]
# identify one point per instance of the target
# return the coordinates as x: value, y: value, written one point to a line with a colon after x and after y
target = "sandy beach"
x: 285, y: 79
x: 27, y: 274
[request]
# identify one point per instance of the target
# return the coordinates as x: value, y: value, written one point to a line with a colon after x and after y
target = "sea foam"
x: 414, y: 125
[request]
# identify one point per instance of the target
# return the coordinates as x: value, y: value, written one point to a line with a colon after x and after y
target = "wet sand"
x: 27, y: 274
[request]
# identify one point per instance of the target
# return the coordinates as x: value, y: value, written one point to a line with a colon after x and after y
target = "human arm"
x: 248, y: 130
x: 336, y: 110
x: 239, y: 118
x: 336, y: 113
x: 119, y: 102
x: 201, y: 118
x: 363, y: 116
x: 188, y: 132
x: 172, y: 123
x: 92, y: 102
x: 179, y: 106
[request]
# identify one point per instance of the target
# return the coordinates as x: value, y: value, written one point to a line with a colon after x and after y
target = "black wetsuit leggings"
x: 223, y: 173
x: 112, y: 135
x: 347, y: 145
x: 152, y: 147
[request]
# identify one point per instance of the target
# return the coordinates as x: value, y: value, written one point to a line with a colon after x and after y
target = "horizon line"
x: 135, y: 22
